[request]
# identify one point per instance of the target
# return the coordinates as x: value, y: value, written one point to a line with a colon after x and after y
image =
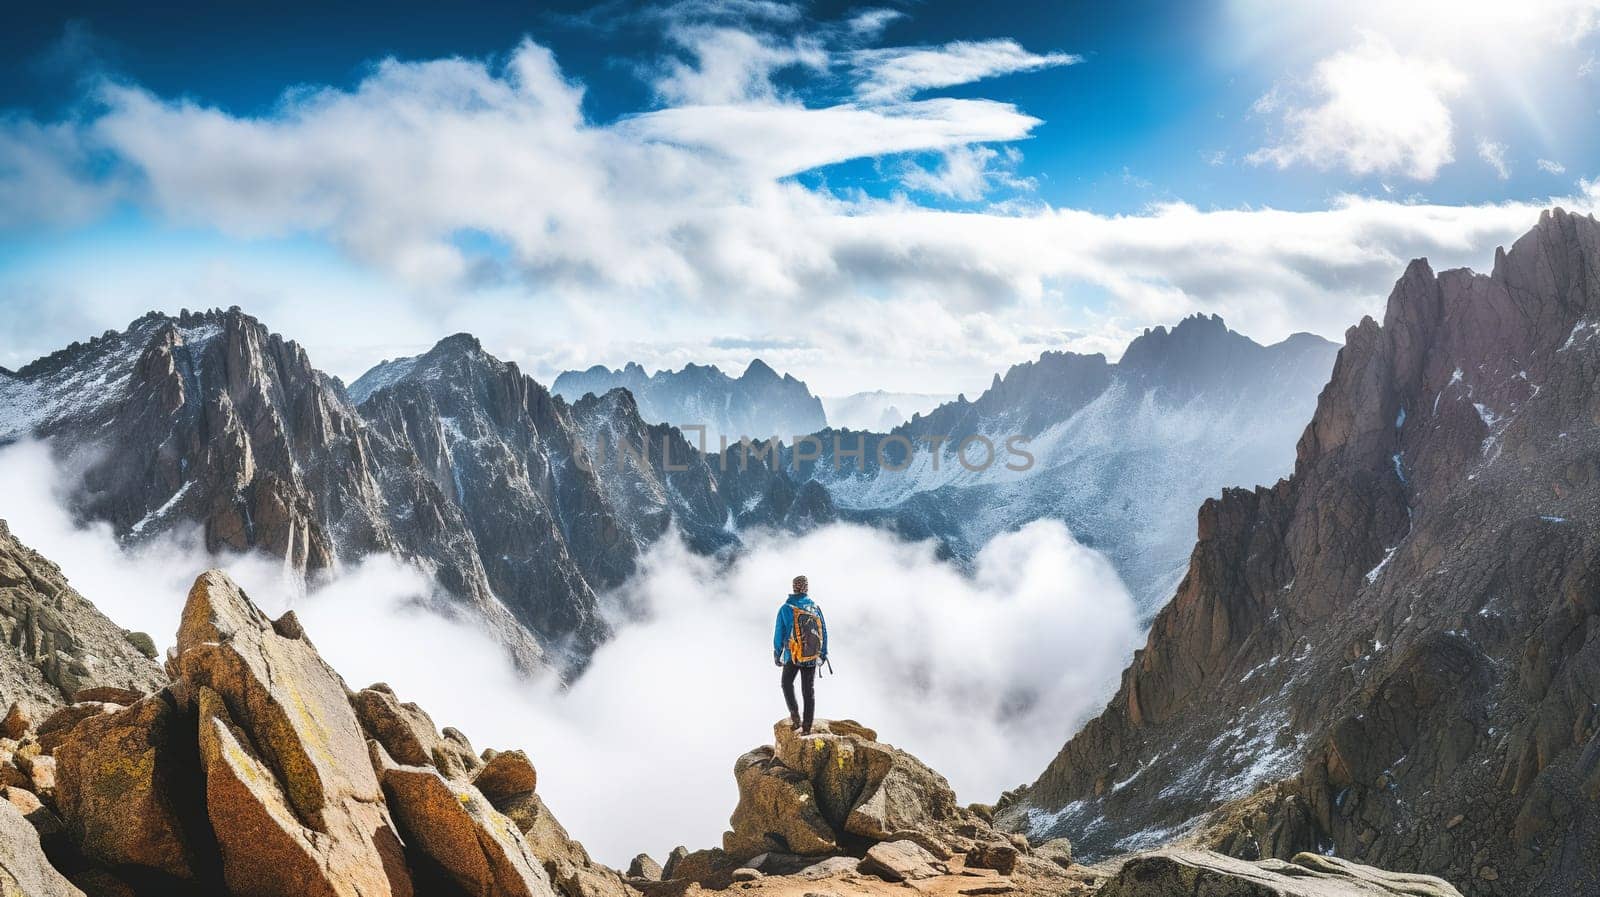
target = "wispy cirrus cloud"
x: 895, y: 73
x: 1493, y: 154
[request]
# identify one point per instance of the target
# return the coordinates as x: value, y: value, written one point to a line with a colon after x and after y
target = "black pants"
x: 808, y: 677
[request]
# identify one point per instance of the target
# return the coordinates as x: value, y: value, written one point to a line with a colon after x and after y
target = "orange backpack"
x: 805, y: 639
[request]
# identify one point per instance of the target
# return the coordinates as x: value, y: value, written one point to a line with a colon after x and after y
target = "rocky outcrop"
x: 1396, y: 638
x: 255, y: 771
x: 1184, y: 873
x: 832, y: 790
x: 53, y: 642
x: 458, y: 831
x: 290, y: 791
x: 839, y: 801
x: 409, y: 735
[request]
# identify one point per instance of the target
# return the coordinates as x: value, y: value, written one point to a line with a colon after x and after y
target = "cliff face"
x: 1404, y: 631
x: 53, y: 642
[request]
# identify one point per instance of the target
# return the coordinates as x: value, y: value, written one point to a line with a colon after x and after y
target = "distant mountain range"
x: 879, y: 410
x: 1122, y: 452
x: 759, y: 403
x: 525, y: 506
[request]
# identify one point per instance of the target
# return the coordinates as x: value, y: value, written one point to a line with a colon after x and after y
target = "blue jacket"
x: 785, y: 625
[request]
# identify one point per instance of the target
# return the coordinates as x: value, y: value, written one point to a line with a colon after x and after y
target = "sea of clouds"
x: 982, y: 672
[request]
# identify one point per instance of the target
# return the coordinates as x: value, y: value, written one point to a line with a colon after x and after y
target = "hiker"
x: 800, y: 646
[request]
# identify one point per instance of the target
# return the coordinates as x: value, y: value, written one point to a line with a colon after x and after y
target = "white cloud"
x: 895, y: 73
x: 44, y: 176
x: 1494, y: 155
x: 967, y: 173
x: 732, y: 65
x: 981, y: 674
x: 871, y: 22
x: 774, y: 140
x: 635, y: 240
x: 1551, y: 167
x: 1368, y: 109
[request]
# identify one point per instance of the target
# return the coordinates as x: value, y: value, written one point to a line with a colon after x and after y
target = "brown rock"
x: 119, y: 777
x: 100, y: 883
x: 56, y: 726
x: 644, y: 867
x: 701, y: 865
x: 508, y: 773
x: 107, y: 694
x: 928, y: 841
x: 56, y: 641
x: 674, y: 857
x: 408, y: 734
x: 862, y: 786
x: 17, y: 721
x: 899, y: 861
x: 777, y: 810
x: 828, y: 868
x: 1002, y: 858
x: 42, y: 776
x: 565, y: 861
x: 457, y: 828
x: 290, y: 787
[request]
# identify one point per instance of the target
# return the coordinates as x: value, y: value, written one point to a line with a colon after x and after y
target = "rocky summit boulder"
x: 1184, y: 873
x: 866, y: 788
x: 841, y: 790
x: 777, y: 810
x: 290, y: 790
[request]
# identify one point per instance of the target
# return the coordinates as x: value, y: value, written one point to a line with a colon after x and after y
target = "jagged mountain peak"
x: 1369, y: 641
x: 759, y: 403
x: 759, y: 370
x: 458, y: 344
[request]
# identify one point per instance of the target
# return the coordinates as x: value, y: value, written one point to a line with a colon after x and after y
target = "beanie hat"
x: 800, y: 585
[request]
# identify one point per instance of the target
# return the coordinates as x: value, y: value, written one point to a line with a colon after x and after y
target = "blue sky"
x: 905, y: 196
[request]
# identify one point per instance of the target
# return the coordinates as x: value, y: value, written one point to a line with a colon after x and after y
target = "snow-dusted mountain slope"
x: 1122, y: 452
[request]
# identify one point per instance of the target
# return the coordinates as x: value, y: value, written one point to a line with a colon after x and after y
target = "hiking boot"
x: 794, y: 722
